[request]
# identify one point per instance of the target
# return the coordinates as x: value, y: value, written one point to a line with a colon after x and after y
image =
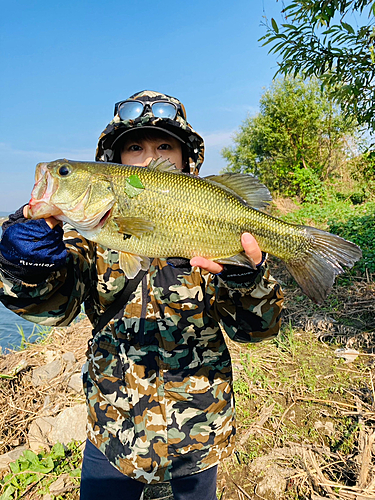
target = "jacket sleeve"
x: 57, y: 300
x: 249, y: 312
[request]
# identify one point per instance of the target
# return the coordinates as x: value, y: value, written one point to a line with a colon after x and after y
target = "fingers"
x: 208, y: 265
x: 251, y: 248
x: 51, y: 221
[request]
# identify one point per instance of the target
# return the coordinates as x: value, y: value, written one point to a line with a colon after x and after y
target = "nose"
x: 145, y: 162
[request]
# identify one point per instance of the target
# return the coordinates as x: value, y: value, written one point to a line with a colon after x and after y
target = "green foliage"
x: 360, y: 230
x: 42, y: 469
x: 316, y: 39
x: 38, y: 334
x: 297, y: 141
x: 363, y: 172
x: 353, y: 222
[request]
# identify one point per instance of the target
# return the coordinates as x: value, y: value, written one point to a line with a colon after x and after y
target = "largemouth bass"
x: 160, y: 212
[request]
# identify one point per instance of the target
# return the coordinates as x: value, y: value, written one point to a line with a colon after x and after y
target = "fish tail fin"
x: 316, y: 271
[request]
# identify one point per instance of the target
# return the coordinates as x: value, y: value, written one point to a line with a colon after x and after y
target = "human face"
x: 140, y: 152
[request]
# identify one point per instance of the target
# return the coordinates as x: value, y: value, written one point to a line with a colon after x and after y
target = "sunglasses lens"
x: 130, y: 110
x: 164, y: 110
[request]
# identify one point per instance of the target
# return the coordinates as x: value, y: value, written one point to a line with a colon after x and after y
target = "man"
x: 158, y: 379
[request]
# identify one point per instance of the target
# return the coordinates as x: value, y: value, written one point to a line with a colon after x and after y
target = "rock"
x: 69, y: 357
x: 38, y: 435
x: 272, y: 485
x: 47, y: 496
x: 50, y: 356
x: 45, y: 373
x: 70, y: 424
x: 349, y: 355
x: 11, y: 456
x: 62, y: 484
x: 75, y: 383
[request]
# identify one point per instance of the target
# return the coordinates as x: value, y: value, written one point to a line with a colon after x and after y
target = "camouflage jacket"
x: 158, y: 379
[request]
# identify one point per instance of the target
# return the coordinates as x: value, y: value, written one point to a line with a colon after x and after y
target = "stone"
x: 69, y: 357
x: 38, y: 435
x: 75, y: 383
x: 50, y: 356
x: 62, y: 484
x: 45, y: 373
x: 11, y: 456
x: 70, y: 425
x: 272, y: 485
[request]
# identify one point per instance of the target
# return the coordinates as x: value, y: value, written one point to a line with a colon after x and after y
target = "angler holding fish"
x: 167, y: 259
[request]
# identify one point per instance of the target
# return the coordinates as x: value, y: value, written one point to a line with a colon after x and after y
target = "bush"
x: 359, y: 230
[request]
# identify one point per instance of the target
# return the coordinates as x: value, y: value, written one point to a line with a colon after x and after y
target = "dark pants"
x: 100, y: 481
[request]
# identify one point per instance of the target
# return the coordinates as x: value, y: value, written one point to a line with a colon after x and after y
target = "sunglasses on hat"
x: 132, y: 109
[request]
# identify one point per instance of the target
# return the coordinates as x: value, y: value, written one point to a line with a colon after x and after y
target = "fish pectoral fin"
x: 135, y: 226
x: 161, y: 165
x: 245, y: 186
x: 240, y: 259
x: 131, y: 264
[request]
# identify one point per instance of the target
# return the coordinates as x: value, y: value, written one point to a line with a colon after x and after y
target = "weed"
x: 40, y: 470
x: 39, y: 334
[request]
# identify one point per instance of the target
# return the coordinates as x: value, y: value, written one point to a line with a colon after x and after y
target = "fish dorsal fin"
x: 161, y: 165
x: 133, y: 226
x: 131, y: 264
x: 245, y: 186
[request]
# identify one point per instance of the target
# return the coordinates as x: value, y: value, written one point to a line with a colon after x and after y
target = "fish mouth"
x: 93, y: 224
x: 39, y: 205
x: 103, y: 220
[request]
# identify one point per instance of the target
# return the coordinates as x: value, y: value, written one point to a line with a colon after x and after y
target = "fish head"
x: 76, y: 192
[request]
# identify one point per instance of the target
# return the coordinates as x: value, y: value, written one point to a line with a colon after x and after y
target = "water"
x: 9, y: 334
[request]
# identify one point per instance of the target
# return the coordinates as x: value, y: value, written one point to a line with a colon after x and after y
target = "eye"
x: 64, y: 170
x: 165, y: 146
x: 135, y: 147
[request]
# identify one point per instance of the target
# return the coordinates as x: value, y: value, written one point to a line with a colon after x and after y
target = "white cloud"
x: 218, y: 139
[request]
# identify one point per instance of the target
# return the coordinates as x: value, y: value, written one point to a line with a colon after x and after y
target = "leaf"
x: 8, y: 493
x: 274, y: 25
x: 348, y: 28
x: 58, y: 451
x: 133, y: 186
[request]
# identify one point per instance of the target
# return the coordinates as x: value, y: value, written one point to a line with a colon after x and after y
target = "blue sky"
x: 64, y: 65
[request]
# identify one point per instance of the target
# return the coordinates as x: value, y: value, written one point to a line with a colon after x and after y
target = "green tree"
x: 318, y: 38
x: 298, y: 140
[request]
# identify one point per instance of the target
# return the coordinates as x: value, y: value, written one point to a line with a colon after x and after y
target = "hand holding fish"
x: 51, y: 221
x: 250, y: 247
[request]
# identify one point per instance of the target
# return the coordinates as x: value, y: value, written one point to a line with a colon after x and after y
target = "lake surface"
x: 9, y: 334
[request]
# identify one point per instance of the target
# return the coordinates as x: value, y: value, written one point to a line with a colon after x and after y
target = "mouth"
x: 39, y: 205
x: 104, y: 219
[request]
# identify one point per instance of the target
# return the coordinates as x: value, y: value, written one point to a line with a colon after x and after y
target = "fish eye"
x: 64, y: 170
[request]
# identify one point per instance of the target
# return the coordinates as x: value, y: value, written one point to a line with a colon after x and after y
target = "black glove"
x: 241, y: 275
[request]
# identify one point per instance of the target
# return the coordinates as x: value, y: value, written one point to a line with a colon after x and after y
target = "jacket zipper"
x: 142, y: 321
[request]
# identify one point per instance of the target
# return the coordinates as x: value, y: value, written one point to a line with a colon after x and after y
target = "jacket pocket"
x: 106, y: 391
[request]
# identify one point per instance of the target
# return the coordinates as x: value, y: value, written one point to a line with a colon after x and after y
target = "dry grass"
x: 20, y: 401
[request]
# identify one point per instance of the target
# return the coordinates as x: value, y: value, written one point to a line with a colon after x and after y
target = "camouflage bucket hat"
x: 178, y: 127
